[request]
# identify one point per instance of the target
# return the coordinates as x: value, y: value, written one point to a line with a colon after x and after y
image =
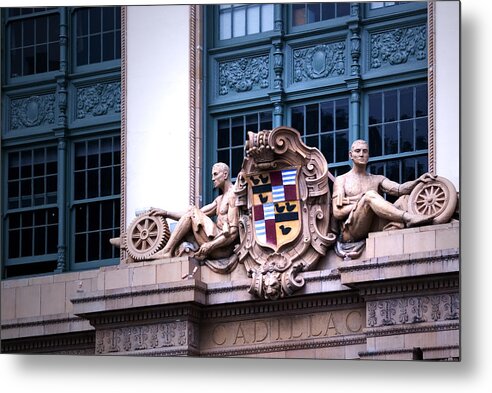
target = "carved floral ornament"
x: 244, y: 74
x: 282, y: 217
x: 32, y: 111
x: 320, y: 61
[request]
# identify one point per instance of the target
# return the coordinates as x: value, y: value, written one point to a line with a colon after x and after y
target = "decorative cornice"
x: 366, y: 354
x: 74, y: 342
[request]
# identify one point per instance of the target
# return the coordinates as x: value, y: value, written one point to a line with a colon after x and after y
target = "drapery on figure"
x: 215, y: 239
x: 357, y: 198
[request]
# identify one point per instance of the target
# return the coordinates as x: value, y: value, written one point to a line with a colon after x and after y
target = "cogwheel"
x: 437, y: 198
x: 146, y: 235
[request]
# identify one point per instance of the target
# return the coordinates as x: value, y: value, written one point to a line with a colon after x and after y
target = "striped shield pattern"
x: 276, y: 207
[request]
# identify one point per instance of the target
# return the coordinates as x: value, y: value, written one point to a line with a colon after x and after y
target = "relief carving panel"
x: 244, y: 74
x: 98, y: 100
x: 320, y: 61
x: 33, y: 111
x: 416, y: 309
x: 398, y: 46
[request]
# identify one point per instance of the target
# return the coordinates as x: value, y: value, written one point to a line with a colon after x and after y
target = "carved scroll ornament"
x: 284, y: 228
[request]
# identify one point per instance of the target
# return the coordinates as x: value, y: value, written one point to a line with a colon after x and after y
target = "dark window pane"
x: 80, y: 154
x: 223, y: 156
x: 393, y: 170
x: 327, y: 147
x: 390, y: 105
x: 421, y: 134
x: 406, y: 136
x: 341, y: 114
x: 41, y: 30
x: 41, y: 58
x: 106, y: 151
x: 14, y: 11
x: 117, y: 45
x: 266, y: 121
x: 327, y: 116
x: 299, y: 14
x: 297, y: 115
x: 80, y: 219
x: 26, y: 189
x: 313, y: 12
x: 408, y: 169
x: 406, y: 103
x: 95, y: 49
x: 39, y: 185
x: 375, y: 108
x: 27, y: 219
x: 312, y: 119
x: 53, y: 216
x: 40, y: 218
x: 108, y: 46
x: 375, y: 141
x: 116, y: 180
x: 237, y: 131
x: 82, y: 51
x: 390, y: 139
x: 28, y: 32
x: 94, y: 246
x: 343, y: 9
x: 312, y: 141
x: 93, y: 154
x: 80, y: 248
x: 108, y: 18
x: 118, y: 17
x: 16, y: 35
x: 106, y: 181
x: 26, y: 242
x: 327, y: 11
x: 106, y: 251
x: 107, y: 218
x: 237, y: 161
x: 16, y: 63
x: 28, y: 61
x: 13, y: 165
x: 252, y: 123
x: 54, y: 57
x: 92, y: 183
x: 54, y: 27
x: 94, y: 216
x: 422, y: 165
x: 421, y: 101
x: 82, y: 22
x: 341, y: 146
x: 40, y: 241
x: 51, y: 185
x: 14, y: 244
x: 52, y: 239
x: 95, y: 20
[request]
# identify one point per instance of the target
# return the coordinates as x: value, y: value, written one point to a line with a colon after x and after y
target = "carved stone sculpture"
x: 195, y: 234
x: 284, y: 227
x: 360, y: 208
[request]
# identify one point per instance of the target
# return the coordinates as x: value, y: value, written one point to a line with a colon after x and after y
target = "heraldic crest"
x: 284, y: 228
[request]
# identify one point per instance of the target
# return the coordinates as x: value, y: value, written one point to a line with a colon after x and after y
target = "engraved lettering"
x: 295, y: 323
x: 219, y: 335
x: 354, y: 321
x: 261, y: 331
x: 240, y: 335
x: 312, y: 333
x: 331, y: 325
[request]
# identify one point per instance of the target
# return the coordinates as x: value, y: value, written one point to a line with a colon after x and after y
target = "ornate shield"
x: 283, y: 194
x: 274, y: 196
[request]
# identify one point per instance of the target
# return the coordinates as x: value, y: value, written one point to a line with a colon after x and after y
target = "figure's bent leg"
x: 182, y: 228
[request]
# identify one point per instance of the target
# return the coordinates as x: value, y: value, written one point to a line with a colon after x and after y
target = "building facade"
x: 86, y: 147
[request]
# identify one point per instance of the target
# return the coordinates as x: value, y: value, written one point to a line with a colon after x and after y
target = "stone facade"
x: 399, y: 300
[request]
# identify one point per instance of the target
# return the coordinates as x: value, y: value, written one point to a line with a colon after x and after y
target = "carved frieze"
x: 98, y: 100
x: 146, y: 337
x: 244, y: 74
x: 320, y: 61
x: 398, y: 46
x: 33, y: 111
x: 416, y: 309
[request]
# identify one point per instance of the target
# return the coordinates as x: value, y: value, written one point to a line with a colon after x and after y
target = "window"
x: 238, y: 20
x: 398, y: 128
x: 232, y: 133
x: 34, y: 42
x: 98, y: 34
x: 96, y: 189
x: 325, y: 125
x: 305, y: 13
x: 60, y: 139
x: 382, y: 4
x: 32, y: 211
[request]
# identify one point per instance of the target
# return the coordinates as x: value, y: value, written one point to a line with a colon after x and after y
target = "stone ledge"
x: 400, y: 266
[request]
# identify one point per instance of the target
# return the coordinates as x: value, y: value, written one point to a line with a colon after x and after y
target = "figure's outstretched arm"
x: 393, y: 188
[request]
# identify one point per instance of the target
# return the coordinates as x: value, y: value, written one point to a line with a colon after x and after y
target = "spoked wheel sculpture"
x: 146, y: 235
x: 437, y: 198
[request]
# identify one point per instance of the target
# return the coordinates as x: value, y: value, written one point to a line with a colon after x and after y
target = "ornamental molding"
x: 320, y: 61
x: 244, y: 74
x: 413, y: 310
x: 98, y: 100
x: 32, y: 111
x: 148, y: 337
x: 398, y: 46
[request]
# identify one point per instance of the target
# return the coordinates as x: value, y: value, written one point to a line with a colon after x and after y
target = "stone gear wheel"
x: 146, y: 235
x: 437, y: 198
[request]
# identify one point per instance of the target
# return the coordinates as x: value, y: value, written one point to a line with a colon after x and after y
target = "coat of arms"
x: 284, y: 228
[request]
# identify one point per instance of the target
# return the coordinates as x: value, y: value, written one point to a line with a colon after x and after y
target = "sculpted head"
x: 220, y: 174
x: 359, y: 152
